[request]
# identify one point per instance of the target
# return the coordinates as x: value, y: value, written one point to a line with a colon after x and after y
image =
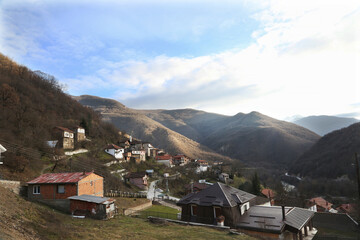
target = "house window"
x: 61, y: 188
x: 193, y: 210
x: 91, y: 183
x: 36, y: 189
x: 217, y: 212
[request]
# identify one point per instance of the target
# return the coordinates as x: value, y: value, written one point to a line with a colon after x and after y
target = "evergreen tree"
x: 256, y: 188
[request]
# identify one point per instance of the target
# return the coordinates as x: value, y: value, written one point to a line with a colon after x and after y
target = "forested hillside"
x: 332, y: 156
x: 31, y: 105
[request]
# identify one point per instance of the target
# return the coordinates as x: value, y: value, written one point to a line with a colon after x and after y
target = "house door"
x: 217, y: 212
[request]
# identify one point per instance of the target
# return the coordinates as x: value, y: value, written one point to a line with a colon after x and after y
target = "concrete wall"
x: 14, y: 186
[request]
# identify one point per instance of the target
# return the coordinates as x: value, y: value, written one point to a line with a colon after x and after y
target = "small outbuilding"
x: 92, y: 206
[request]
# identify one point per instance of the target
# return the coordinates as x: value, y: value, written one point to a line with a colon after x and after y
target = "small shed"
x: 92, y: 206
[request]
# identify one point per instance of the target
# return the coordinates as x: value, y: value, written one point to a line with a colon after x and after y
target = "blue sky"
x: 281, y: 58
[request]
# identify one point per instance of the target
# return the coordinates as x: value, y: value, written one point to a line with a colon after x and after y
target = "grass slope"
x: 20, y: 219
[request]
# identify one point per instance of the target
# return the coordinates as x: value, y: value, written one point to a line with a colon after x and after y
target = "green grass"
x: 160, y: 211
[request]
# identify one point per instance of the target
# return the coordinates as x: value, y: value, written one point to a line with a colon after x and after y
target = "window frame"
x: 36, y: 189
x: 192, y: 206
x: 58, y: 188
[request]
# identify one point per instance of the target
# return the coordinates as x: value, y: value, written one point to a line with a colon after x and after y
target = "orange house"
x: 53, y: 186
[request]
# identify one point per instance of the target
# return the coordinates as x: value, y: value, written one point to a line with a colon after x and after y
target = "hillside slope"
x: 32, y: 103
x: 253, y: 138
x: 332, y: 156
x: 142, y: 127
x: 325, y: 124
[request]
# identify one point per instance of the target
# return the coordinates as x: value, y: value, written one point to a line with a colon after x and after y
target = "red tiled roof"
x: 268, y: 193
x: 346, y: 208
x: 64, y: 129
x: 113, y: 146
x: 319, y: 201
x: 60, y: 177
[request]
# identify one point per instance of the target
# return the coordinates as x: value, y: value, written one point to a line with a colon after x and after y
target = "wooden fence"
x: 114, y: 193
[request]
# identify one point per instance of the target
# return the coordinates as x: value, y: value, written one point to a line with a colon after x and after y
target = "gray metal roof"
x: 298, y: 217
x: 269, y: 218
x: 90, y: 198
x: 218, y: 194
x: 263, y: 218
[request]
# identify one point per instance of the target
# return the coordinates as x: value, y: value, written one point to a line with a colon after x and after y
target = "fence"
x: 113, y: 193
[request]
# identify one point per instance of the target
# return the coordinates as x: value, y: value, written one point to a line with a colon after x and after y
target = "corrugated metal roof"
x: 60, y: 177
x: 298, y: 217
x: 90, y: 198
x: 218, y: 194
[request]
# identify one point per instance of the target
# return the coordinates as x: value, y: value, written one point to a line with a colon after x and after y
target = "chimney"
x: 283, y: 212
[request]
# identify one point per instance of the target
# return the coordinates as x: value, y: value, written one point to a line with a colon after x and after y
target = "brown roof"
x: 197, y: 185
x: 267, y: 192
x: 60, y: 177
x: 113, y: 146
x: 64, y: 129
x: 319, y: 201
x: 346, y: 208
x: 136, y: 175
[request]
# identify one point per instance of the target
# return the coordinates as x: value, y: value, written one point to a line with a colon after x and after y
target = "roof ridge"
x: 222, y: 190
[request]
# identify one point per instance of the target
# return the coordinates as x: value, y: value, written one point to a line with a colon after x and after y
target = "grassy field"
x: 160, y: 211
x: 20, y: 219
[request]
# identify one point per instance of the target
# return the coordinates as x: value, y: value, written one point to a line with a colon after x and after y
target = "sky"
x: 280, y: 58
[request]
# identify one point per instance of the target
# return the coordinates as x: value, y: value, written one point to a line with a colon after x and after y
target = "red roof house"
x: 321, y: 204
x: 52, y: 186
x: 348, y: 208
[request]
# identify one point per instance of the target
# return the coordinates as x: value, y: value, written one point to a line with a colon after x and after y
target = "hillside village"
x: 61, y: 159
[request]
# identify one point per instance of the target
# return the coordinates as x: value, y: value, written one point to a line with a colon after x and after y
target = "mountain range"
x: 252, y: 138
x: 325, y: 124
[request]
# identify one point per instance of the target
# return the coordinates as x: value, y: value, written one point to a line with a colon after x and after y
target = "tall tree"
x: 256, y: 187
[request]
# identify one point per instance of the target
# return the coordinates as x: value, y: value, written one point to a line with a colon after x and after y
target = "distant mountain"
x: 325, y: 124
x: 135, y: 122
x: 332, y: 156
x: 252, y: 138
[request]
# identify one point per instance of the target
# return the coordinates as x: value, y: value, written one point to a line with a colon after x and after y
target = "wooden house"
x: 139, y: 179
x: 92, y: 206
x: 80, y: 134
x: 215, y: 201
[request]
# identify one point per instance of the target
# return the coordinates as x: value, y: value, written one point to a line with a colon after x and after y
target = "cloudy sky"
x: 281, y: 58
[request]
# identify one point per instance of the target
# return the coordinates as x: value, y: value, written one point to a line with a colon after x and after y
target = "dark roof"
x: 218, y: 194
x: 298, y: 217
x: 91, y: 198
x: 270, y: 219
x: 60, y: 177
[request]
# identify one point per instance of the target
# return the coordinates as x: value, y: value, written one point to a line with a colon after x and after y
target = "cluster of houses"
x: 65, y: 138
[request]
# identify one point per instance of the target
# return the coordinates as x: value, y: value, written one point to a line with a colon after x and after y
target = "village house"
x: 348, y: 208
x: 64, y: 185
x: 181, y: 159
x: 127, y: 156
x: 64, y: 136
x: 125, y: 144
x: 215, y: 201
x: 116, y: 151
x: 322, y: 205
x: 165, y: 159
x: 54, y: 188
x: 278, y: 222
x: 224, y: 177
x: 138, y: 155
x: 268, y: 193
x: 92, y: 206
x: 222, y: 203
x: 139, y: 179
x: 80, y: 134
x: 202, y: 166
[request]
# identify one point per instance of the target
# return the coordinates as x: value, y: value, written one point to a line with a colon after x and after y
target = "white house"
x: 224, y: 177
x: 116, y: 151
x: 2, y: 150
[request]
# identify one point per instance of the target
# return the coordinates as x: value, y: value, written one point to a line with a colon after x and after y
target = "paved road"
x: 157, y: 192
